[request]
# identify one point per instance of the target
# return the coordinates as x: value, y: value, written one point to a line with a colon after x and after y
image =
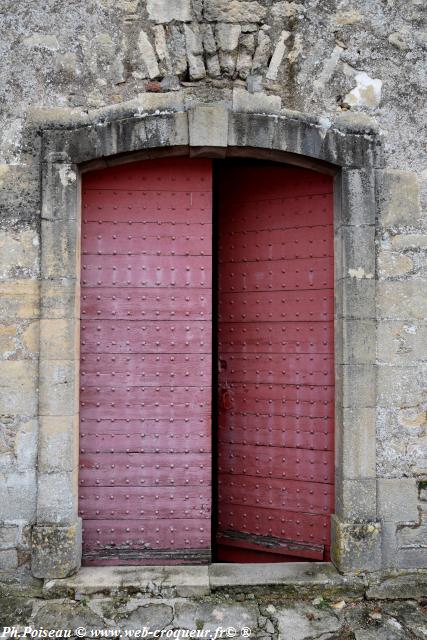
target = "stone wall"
x: 60, y: 59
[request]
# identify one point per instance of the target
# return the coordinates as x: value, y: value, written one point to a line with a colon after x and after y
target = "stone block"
x: 401, y: 242
x: 194, y: 47
x: 61, y: 191
x: 8, y: 536
x: 18, y: 387
x: 411, y: 558
x: 30, y: 338
x: 393, y: 265
x: 135, y: 132
x: 251, y: 130
x: 208, y: 613
x: 246, y: 102
x: 56, y: 550
x: 176, y: 581
x: 58, y: 387
x: 25, y: 445
x: 355, y: 297
x: 355, y: 251
x: 63, y: 615
x: 356, y: 385
x: 412, y: 537
x: 19, y: 300
x: 60, y: 299
x: 165, y: 131
x: 152, y: 102
x: 236, y: 11
x: 356, y: 500
x: 208, y: 126
x: 358, y: 203
x: 20, y: 195
x: 152, y: 616
x: 60, y: 248
x: 8, y: 559
x: 398, y: 499
x: 355, y: 547
x: 18, y: 496
x: 407, y: 587
x: 402, y: 300
x: 355, y: 342
x: 401, y: 386
x: 355, y: 444
x: 19, y: 254
x: 303, y: 621
x: 57, y: 497
x: 8, y: 340
x: 59, y: 338
x: 58, y: 444
x: 399, y: 199
x: 148, y: 58
x: 163, y: 11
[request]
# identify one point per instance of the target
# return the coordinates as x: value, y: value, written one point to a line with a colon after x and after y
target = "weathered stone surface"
x: 304, y: 622
x: 162, y: 50
x: 409, y: 241
x: 154, y: 617
x: 234, y: 11
x: 58, y: 387
x: 18, y: 495
x: 356, y: 546
x: 210, y: 616
x: 227, y: 38
x: 18, y: 381
x: 148, y: 55
x: 56, y: 550
x: 208, y: 126
x: 355, y: 444
x: 400, y: 199
x: 392, y: 264
x: 184, y: 582
x: 178, y: 49
x: 405, y: 389
x: 8, y: 536
x: 356, y: 499
x: 398, y: 587
x: 245, y: 102
x: 296, y: 579
x: 277, y: 57
x: 194, y: 47
x: 403, y: 300
x: 19, y: 254
x: 262, y: 53
x: 389, y: 631
x: 60, y: 615
x: 57, y: 497
x: 168, y: 10
x: 20, y: 300
x: 58, y: 444
x: 8, y: 559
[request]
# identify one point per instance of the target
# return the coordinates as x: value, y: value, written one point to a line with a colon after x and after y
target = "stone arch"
x: 133, y: 132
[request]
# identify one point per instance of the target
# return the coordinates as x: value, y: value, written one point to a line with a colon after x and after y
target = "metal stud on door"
x: 276, y: 373
x: 145, y: 396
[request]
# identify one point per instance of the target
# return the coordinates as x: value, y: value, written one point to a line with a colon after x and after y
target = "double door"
x: 207, y: 387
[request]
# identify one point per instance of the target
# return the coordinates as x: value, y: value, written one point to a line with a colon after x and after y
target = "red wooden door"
x: 276, y: 372
x: 145, y: 417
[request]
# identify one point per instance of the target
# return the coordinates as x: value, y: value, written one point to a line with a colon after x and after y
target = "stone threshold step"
x: 299, y: 579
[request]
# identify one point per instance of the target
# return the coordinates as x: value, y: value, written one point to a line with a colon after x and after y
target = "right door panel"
x: 275, y: 363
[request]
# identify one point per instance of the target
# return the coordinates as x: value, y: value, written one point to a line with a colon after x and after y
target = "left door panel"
x: 145, y: 370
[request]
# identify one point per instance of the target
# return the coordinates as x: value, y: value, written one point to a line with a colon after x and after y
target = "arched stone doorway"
x: 209, y: 131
